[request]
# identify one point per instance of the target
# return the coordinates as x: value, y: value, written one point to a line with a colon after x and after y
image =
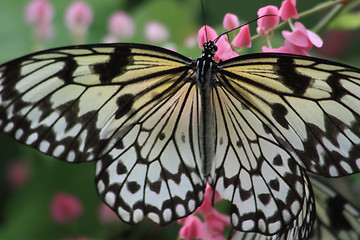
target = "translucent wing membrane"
x: 336, y: 219
x: 127, y: 107
x: 310, y: 106
x: 155, y: 172
x: 262, y: 181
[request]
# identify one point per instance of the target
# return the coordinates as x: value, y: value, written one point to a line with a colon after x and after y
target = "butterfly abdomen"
x: 206, y: 115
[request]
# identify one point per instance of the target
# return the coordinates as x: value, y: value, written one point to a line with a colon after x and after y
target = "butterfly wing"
x: 276, y: 115
x: 309, y: 105
x: 129, y: 107
x: 264, y: 185
x: 336, y: 218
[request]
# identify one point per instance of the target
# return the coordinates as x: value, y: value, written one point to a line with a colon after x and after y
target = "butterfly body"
x: 205, y: 83
x: 160, y: 126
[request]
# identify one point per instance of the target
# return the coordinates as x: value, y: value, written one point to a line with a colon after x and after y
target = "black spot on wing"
x: 336, y: 213
x: 337, y: 91
x: 116, y: 65
x: 279, y: 112
x: 133, y: 187
x: 67, y: 72
x: 161, y: 136
x: 124, y: 103
x: 290, y: 77
x: 264, y: 198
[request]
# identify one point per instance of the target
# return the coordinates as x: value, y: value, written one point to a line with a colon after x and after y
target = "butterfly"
x: 160, y: 126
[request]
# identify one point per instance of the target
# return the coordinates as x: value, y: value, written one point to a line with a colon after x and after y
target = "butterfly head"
x: 210, y: 49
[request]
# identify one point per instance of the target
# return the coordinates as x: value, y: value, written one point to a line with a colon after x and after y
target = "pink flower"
x: 243, y: 38
x: 121, y: 25
x: 206, y: 34
x: 107, y: 215
x: 156, y: 32
x: 288, y: 10
x: 214, y: 222
x: 40, y: 13
x: 301, y: 38
x: 78, y: 18
x: 18, y: 173
x: 230, y: 21
x: 224, y: 51
x: 267, y: 22
x: 65, y: 208
x: 193, y: 228
x: 281, y: 49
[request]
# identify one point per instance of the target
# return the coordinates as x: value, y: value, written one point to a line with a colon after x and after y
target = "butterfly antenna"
x: 203, y: 13
x: 231, y: 30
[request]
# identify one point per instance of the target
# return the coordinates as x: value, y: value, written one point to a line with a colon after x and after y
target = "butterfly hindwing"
x: 156, y: 171
x: 262, y: 181
x: 337, y: 218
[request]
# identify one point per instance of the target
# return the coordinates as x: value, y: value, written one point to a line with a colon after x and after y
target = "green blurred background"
x: 24, y: 212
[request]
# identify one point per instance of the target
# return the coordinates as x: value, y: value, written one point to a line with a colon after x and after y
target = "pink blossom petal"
x: 243, y: 38
x: 121, y: 25
x: 156, y: 32
x: 295, y: 49
x: 298, y: 38
x: 224, y: 51
x: 266, y: 23
x: 193, y: 228
x: 202, y: 38
x: 217, y: 221
x: 315, y: 39
x: 78, y: 17
x: 39, y: 12
x: 288, y: 10
x: 230, y: 21
x: 65, y: 208
x: 281, y: 49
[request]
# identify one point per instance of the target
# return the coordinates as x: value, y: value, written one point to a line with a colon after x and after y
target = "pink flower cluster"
x: 298, y: 41
x: 214, y: 222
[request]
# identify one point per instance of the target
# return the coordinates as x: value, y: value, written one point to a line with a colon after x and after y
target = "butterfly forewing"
x: 311, y: 107
x: 64, y: 101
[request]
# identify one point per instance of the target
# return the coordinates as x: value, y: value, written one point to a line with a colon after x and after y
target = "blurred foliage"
x: 24, y: 212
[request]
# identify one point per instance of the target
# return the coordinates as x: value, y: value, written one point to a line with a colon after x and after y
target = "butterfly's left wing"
x: 129, y: 107
x: 310, y: 106
x: 278, y: 115
x: 336, y: 218
x: 300, y: 228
